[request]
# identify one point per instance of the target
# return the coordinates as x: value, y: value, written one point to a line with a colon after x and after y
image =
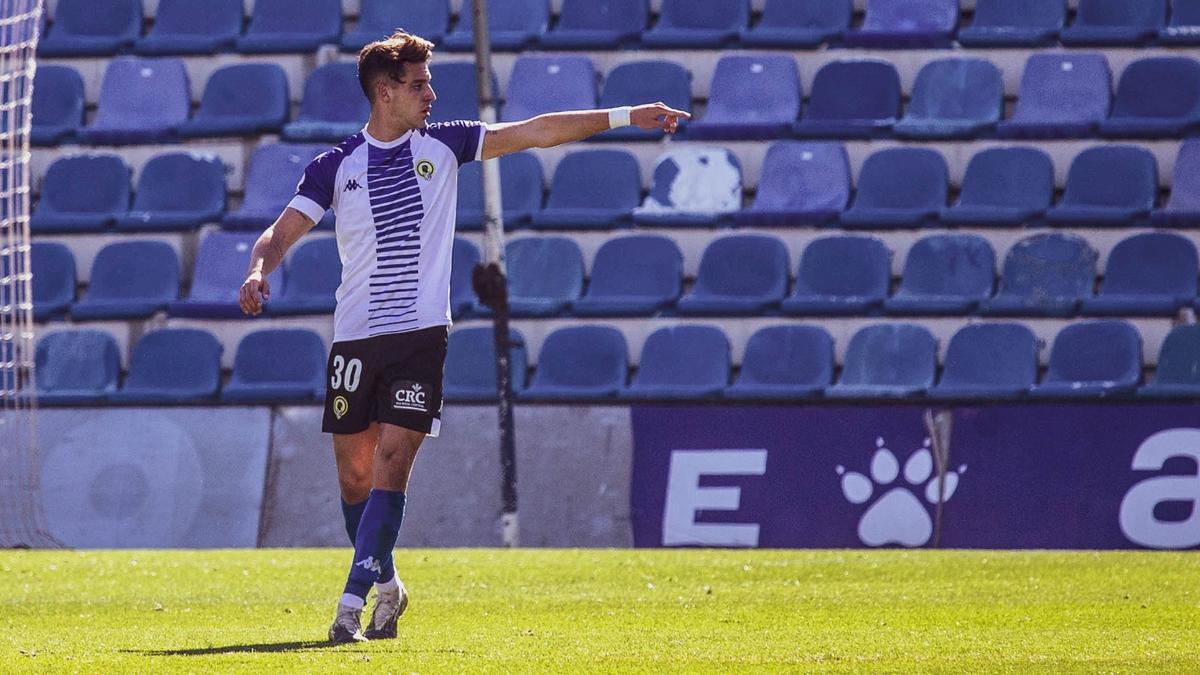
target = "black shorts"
x: 394, y: 379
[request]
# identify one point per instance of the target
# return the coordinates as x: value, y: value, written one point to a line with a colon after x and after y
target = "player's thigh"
x: 355, y: 458
x: 395, y: 455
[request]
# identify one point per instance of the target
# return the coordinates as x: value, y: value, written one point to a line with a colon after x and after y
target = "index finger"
x: 668, y: 110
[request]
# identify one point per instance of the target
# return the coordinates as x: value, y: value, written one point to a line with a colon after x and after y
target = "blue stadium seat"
x: 682, y: 362
x: 226, y: 110
x: 1063, y: 95
x: 945, y: 274
x: 1153, y: 273
x: 285, y: 26
x: 799, y: 24
x: 638, y: 275
x: 692, y: 186
x: 698, y: 24
x: 989, y: 361
x: 470, y: 372
x: 542, y: 84
x: 1045, y: 275
x: 852, y: 99
x: 220, y: 269
x: 190, y: 27
x: 1183, y: 207
x: 1157, y: 97
x: 172, y: 365
x: 1177, y: 374
x: 890, y: 360
x: 464, y: 257
x: 333, y: 106
x: 1184, y: 28
x: 274, y: 171
x: 82, y: 193
x: 801, y: 184
x: 1108, y: 186
x: 1015, y: 23
x: 1093, y: 359
x: 92, y: 28
x: 314, y: 272
x: 1115, y: 23
x: 906, y: 23
x: 521, y: 185
x: 741, y: 274
x: 545, y: 275
x: 54, y: 279
x: 513, y: 26
x: 597, y: 24
x: 953, y: 98
x: 580, y: 362
x: 142, y: 100
x: 899, y: 187
x: 841, y: 274
x: 378, y: 19
x: 592, y: 190
x: 785, y: 362
x: 177, y: 191
x: 1004, y: 187
x: 57, y: 104
x: 771, y: 81
x: 130, y: 280
x: 637, y: 82
x: 260, y: 376
x: 457, y: 95
x: 76, y: 367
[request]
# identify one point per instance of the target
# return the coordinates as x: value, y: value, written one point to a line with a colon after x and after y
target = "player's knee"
x: 355, y: 484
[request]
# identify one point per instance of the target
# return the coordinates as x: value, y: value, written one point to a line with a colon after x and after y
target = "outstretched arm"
x: 268, y: 254
x: 551, y: 129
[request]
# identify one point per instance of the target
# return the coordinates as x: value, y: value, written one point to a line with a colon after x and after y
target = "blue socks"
x: 353, y: 514
x: 374, y: 540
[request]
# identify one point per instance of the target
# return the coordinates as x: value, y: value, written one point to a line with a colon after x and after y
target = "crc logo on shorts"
x: 340, y: 407
x: 409, y: 396
x: 425, y: 169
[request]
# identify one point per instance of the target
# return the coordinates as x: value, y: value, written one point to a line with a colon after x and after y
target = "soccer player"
x: 393, y: 188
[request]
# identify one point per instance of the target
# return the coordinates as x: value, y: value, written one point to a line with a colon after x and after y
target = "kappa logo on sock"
x: 408, y: 395
x: 370, y: 564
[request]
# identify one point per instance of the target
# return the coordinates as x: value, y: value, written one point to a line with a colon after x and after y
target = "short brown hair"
x: 387, y: 58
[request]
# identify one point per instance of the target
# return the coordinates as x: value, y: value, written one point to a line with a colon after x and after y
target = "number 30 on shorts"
x: 347, y: 373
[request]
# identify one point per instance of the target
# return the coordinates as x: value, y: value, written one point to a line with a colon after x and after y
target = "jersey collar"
x: 390, y: 144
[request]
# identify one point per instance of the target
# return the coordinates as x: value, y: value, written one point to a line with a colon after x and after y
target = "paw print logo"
x: 898, y: 516
x: 416, y: 387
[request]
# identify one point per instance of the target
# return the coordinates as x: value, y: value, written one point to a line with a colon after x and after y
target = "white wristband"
x: 619, y: 117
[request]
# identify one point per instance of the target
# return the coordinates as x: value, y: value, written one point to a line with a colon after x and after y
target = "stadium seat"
x: 682, y: 362
x: 697, y: 24
x: 513, y: 26
x: 989, y: 361
x: 1183, y: 207
x: 1115, y: 23
x: 692, y: 186
x: 314, y: 272
x: 1184, y: 28
x: 226, y: 110
x: 597, y: 24
x: 592, y: 190
x: 76, y: 367
x: 260, y: 376
x: 142, y: 100
x: 771, y: 81
x: 58, y: 104
x: 899, y: 187
x: 785, y: 362
x: 1045, y: 275
x: 284, y: 26
x: 852, y: 99
x: 740, y: 275
x: 1157, y: 97
x: 220, y: 269
x: 174, y: 366
x: 271, y: 178
x: 1004, y: 187
x: 638, y: 275
x: 798, y: 24
x: 1093, y: 359
x: 378, y: 19
x: 841, y: 274
x: 177, y: 191
x: 1177, y: 373
x: 801, y: 184
x: 1063, y: 95
x: 521, y: 185
x: 333, y: 106
x: 470, y: 372
x: 130, y: 280
x: 635, y: 83
x: 580, y: 362
x: 545, y: 275
x: 1108, y: 186
x: 464, y: 257
x: 457, y: 95
x: 82, y: 193
x: 953, y: 98
x: 1015, y: 23
x: 1148, y: 274
x: 543, y: 84
x: 92, y: 28
x: 53, y: 282
x: 190, y: 27
x: 906, y: 23
x: 945, y: 274
x: 889, y: 360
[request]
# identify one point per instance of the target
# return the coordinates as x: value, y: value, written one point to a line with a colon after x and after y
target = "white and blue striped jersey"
x: 395, y: 204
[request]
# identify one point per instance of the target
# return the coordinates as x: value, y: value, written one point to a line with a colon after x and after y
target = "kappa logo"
x: 370, y: 564
x: 409, y: 396
x: 425, y: 169
x: 352, y: 185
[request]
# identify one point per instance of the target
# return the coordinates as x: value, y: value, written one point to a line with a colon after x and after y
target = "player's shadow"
x: 238, y: 649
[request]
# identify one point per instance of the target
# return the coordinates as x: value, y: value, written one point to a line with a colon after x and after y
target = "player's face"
x: 410, y: 100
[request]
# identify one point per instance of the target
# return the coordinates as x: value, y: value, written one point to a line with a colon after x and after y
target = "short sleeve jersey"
x: 395, y: 204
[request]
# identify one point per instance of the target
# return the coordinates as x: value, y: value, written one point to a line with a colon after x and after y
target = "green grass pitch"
x: 608, y: 610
